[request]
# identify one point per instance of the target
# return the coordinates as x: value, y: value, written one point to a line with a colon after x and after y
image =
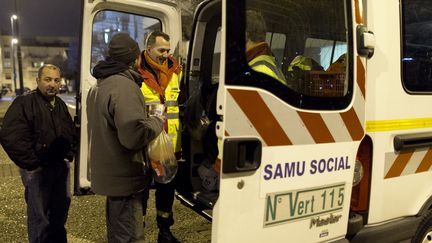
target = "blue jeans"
x: 47, y: 195
x: 124, y: 218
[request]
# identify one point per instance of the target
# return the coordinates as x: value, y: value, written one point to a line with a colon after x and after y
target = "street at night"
x: 86, y: 221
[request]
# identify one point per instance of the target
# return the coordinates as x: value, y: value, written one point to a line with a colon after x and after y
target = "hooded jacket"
x: 118, y: 130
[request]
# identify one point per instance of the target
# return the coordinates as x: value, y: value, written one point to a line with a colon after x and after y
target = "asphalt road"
x: 86, y: 221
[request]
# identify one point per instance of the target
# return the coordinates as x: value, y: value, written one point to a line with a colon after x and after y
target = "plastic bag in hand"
x: 162, y: 159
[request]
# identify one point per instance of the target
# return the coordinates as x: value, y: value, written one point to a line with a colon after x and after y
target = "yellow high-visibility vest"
x: 266, y: 64
x: 172, y: 92
x: 303, y: 63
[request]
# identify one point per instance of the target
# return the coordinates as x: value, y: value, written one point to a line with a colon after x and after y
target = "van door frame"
x: 170, y: 18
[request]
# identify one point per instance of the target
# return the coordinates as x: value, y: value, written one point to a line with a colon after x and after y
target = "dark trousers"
x: 124, y: 218
x: 164, y: 194
x: 164, y: 203
x: 48, y: 198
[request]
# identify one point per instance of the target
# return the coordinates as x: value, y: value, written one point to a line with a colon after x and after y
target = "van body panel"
x: 392, y: 111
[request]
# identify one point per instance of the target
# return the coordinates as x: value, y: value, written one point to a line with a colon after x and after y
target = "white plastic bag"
x: 162, y: 159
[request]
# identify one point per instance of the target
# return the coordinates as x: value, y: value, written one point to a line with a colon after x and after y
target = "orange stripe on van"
x: 361, y: 76
x: 400, y: 163
x: 260, y: 116
x: 358, y: 14
x: 316, y: 127
x: 353, y: 124
x: 426, y: 163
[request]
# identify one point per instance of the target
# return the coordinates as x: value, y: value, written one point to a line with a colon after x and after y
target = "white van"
x: 393, y: 201
x: 288, y: 151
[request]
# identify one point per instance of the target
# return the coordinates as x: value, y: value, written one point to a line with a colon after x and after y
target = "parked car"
x: 63, y: 89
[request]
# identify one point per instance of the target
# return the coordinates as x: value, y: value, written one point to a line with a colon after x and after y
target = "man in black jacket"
x: 39, y: 136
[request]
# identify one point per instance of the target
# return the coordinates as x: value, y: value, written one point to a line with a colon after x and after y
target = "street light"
x: 13, y: 18
x: 15, y: 42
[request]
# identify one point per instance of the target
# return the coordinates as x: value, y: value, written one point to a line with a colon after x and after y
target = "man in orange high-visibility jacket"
x: 161, y: 85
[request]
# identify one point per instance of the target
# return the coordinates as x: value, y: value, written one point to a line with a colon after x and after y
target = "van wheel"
x: 424, y: 231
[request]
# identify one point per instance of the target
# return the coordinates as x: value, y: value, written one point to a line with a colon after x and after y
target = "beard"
x: 51, y: 92
x: 162, y: 60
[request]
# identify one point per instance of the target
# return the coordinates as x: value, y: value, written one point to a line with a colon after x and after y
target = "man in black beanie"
x: 118, y: 133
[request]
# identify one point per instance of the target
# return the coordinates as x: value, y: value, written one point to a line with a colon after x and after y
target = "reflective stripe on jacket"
x: 266, y: 64
x: 172, y: 92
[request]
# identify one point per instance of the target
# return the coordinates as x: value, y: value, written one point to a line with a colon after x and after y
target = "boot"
x: 165, y: 236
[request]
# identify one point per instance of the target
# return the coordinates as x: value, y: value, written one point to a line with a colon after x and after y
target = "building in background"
x: 63, y: 51
x: 36, y: 51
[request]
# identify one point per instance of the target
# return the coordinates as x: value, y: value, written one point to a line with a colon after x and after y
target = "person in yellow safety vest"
x: 304, y: 63
x: 162, y: 75
x: 258, y: 53
x: 301, y: 62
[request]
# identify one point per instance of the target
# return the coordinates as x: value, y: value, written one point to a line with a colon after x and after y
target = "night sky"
x: 42, y: 17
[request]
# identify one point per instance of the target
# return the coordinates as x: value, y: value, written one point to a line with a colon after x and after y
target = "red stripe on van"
x: 353, y: 124
x: 316, y: 127
x: 261, y: 117
x: 361, y: 76
x: 358, y: 13
x: 399, y: 164
x: 426, y: 163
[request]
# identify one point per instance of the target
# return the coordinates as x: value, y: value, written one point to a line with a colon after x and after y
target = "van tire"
x: 424, y: 231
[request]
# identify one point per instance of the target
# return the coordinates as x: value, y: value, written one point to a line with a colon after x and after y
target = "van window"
x: 303, y: 59
x: 326, y: 52
x: 106, y: 23
x: 277, y: 43
x: 417, y: 45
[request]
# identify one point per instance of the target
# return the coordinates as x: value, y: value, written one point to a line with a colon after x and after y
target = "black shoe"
x: 165, y: 236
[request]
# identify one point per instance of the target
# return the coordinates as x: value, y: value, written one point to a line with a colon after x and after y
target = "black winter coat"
x: 34, y: 133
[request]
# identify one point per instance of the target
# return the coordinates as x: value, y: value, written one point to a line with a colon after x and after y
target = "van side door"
x: 289, y: 124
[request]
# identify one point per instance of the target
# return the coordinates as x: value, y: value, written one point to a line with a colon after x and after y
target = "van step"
x: 207, y: 198
x: 196, y: 206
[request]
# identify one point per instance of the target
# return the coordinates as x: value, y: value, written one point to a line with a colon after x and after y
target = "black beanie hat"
x: 123, y: 48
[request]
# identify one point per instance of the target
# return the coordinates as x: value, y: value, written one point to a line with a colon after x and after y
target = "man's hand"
x: 161, y: 117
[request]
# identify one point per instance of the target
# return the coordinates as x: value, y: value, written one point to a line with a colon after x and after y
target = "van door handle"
x: 241, y: 155
x: 412, y: 141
